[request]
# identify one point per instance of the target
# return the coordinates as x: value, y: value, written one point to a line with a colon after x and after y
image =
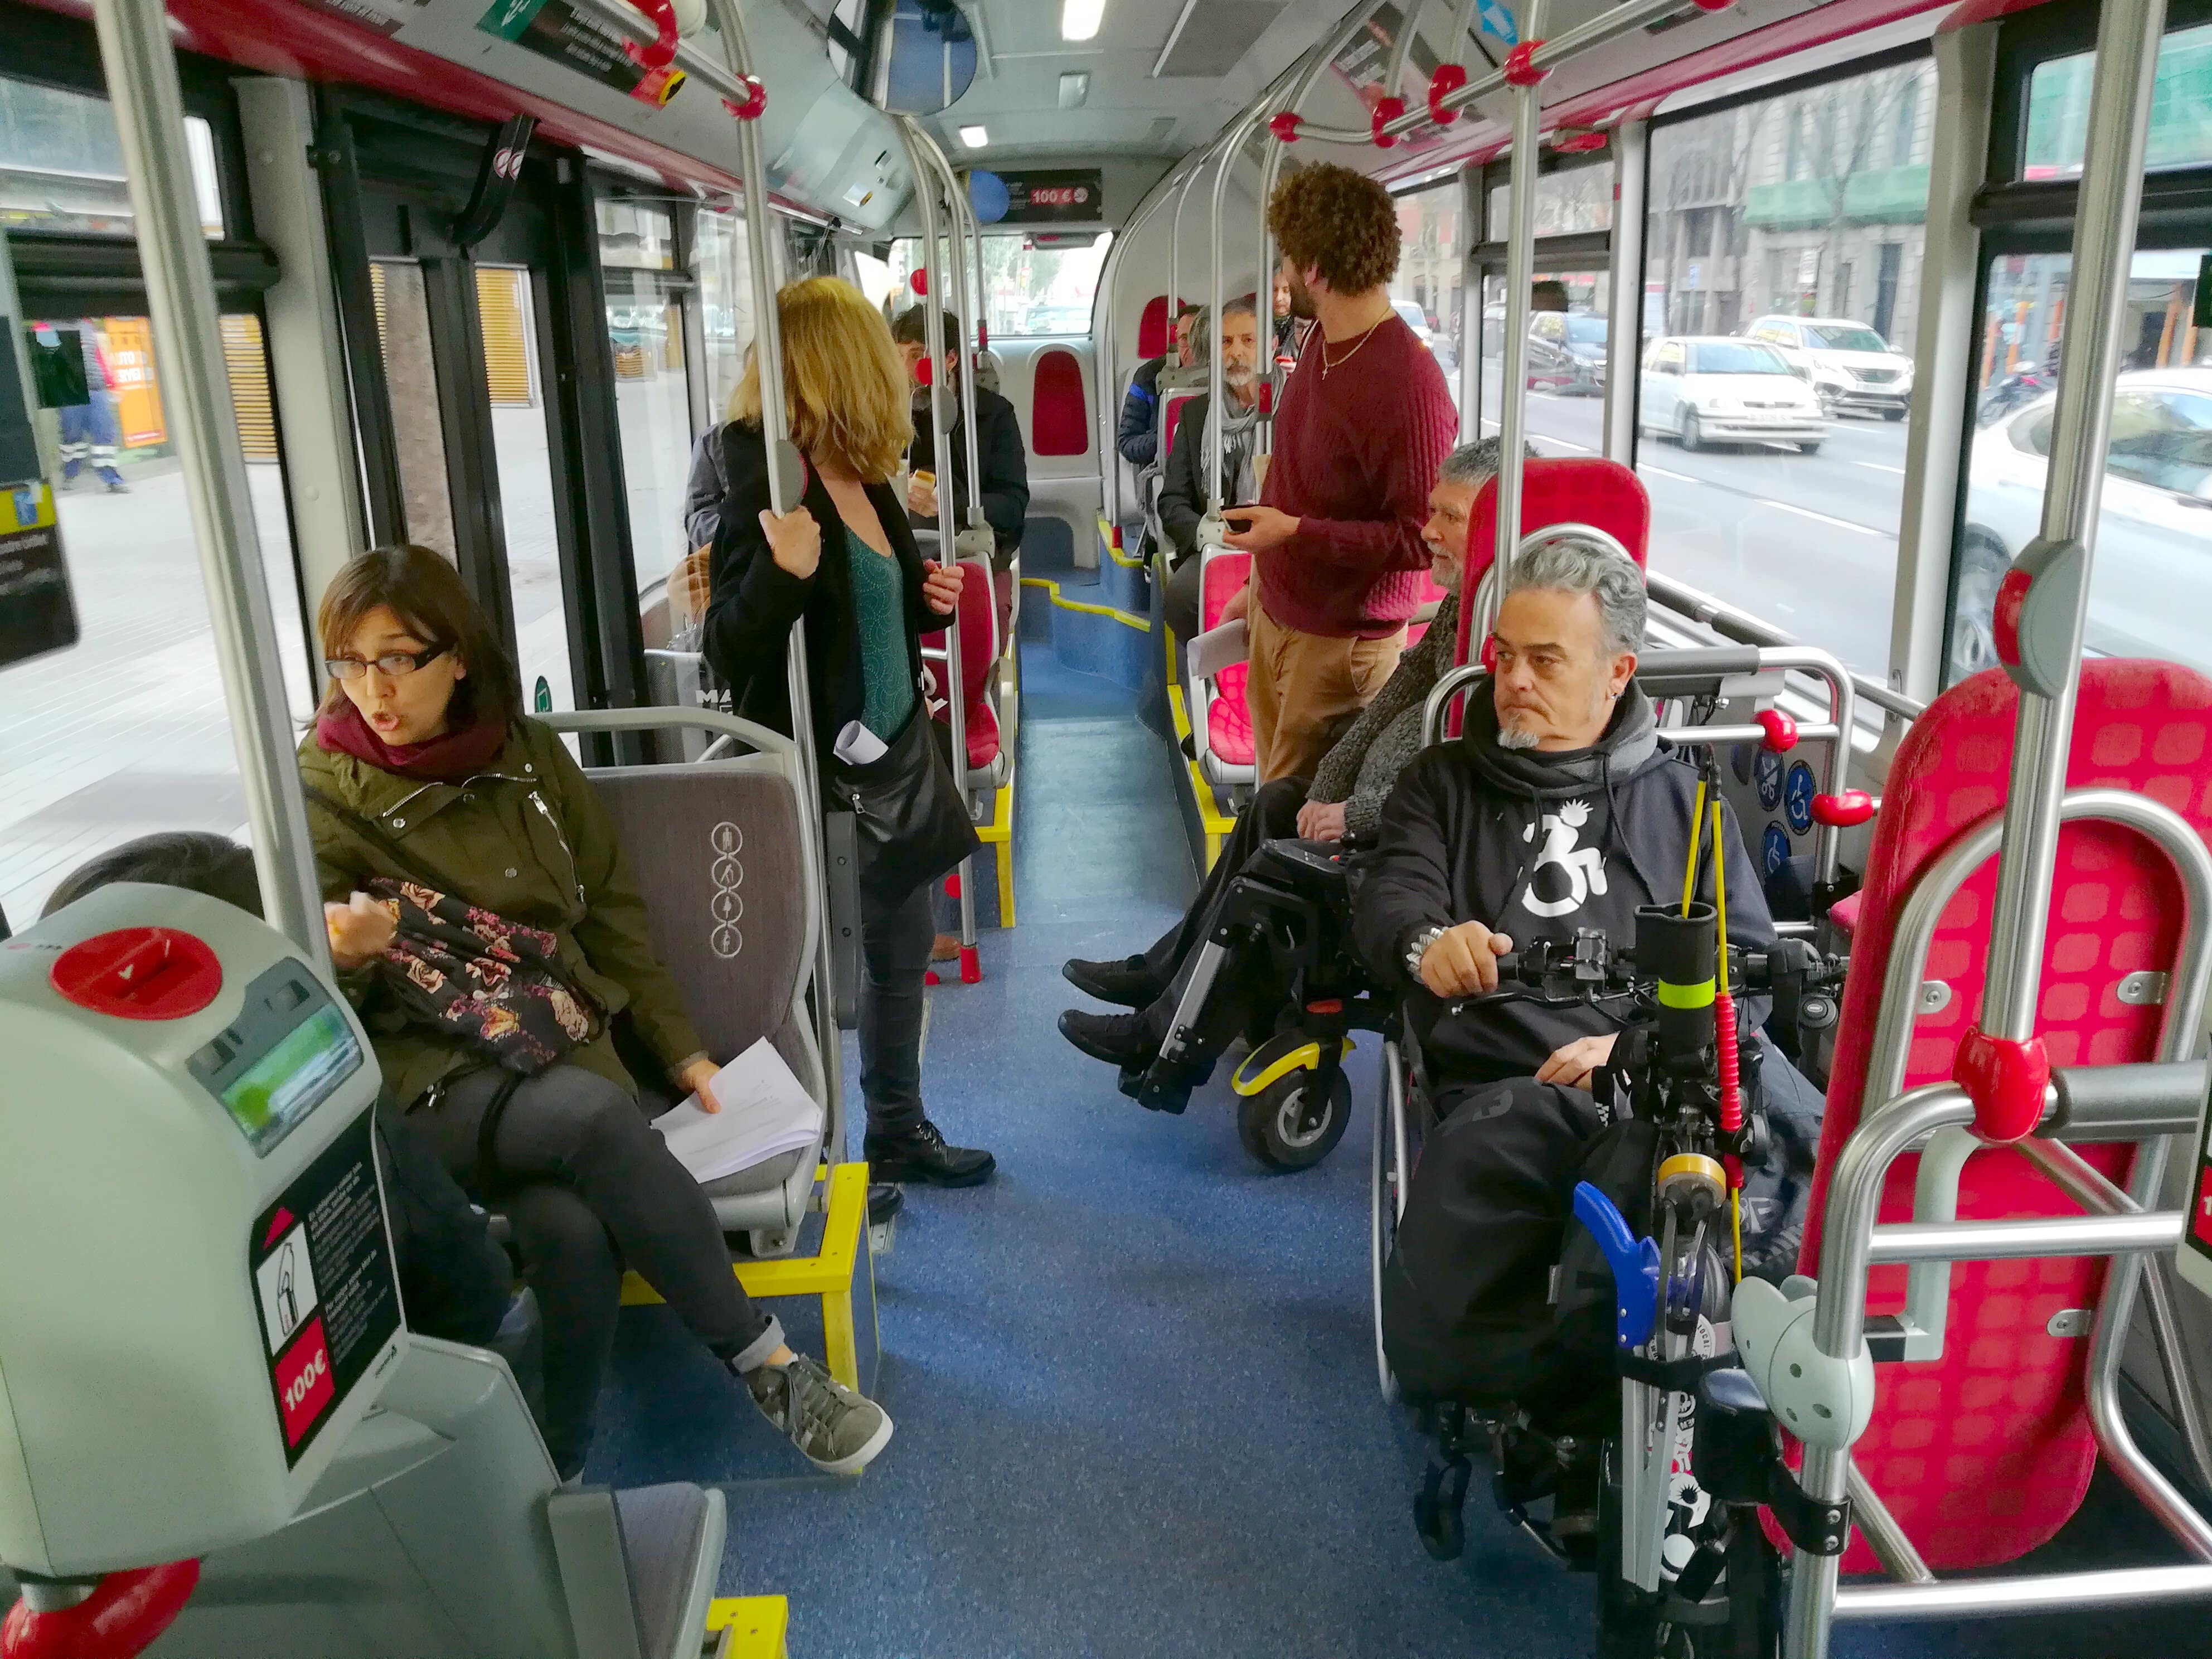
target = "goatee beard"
x: 1516, y: 736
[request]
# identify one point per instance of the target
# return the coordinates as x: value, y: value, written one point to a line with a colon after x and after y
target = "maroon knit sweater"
x: 1355, y: 457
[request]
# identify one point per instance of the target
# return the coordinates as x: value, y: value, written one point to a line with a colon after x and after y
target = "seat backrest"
x: 1154, y: 335
x: 715, y: 849
x: 1557, y: 490
x: 979, y: 637
x: 1224, y: 571
x: 1172, y: 404
x: 1984, y: 1455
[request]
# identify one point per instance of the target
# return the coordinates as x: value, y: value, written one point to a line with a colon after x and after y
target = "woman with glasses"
x: 422, y: 768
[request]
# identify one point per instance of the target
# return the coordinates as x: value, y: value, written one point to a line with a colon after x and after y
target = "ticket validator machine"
x: 203, y: 1352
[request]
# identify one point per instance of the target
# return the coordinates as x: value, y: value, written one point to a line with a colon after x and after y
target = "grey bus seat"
x: 718, y: 848
x: 634, y: 1569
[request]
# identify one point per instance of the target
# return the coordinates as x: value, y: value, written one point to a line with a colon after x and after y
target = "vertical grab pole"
x: 786, y: 483
x: 2051, y: 584
x: 141, y: 69
x: 978, y: 532
x: 1632, y: 151
x: 1520, y: 275
x: 932, y: 334
x: 1217, y: 419
x: 1174, y: 259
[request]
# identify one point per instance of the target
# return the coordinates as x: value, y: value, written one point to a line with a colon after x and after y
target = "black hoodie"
x: 1534, y: 845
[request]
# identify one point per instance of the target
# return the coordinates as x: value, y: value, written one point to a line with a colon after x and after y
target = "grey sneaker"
x: 839, y: 1432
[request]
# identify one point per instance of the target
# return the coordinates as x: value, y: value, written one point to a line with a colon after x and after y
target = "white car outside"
x: 2150, y: 584
x: 1711, y: 388
x: 1848, y: 364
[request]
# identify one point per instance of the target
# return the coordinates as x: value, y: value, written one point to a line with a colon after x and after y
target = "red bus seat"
x: 1228, y: 716
x: 1557, y: 490
x: 1985, y: 1454
x: 979, y: 673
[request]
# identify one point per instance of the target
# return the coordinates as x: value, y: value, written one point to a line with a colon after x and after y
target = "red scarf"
x: 453, y: 759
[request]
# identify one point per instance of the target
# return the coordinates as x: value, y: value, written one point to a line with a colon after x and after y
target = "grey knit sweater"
x: 1365, y: 764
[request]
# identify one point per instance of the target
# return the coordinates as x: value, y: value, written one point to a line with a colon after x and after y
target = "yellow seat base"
x: 752, y: 1627
x: 828, y: 1274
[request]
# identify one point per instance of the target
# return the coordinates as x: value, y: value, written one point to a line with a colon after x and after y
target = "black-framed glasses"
x: 392, y: 664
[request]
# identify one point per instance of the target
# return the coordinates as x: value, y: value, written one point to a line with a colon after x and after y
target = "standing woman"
x: 423, y: 779
x: 845, y: 561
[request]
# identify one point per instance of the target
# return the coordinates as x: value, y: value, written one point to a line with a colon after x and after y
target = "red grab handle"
x: 1841, y: 811
x: 755, y: 100
x: 1386, y: 110
x: 1781, y: 731
x: 1286, y: 126
x: 662, y: 52
x: 1520, y: 67
x: 2006, y: 1080
x: 123, y: 1617
x: 1447, y: 80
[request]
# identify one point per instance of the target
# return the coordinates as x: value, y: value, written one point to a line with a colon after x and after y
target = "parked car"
x: 1566, y: 350
x: 1057, y: 319
x: 2151, y: 579
x: 1710, y: 388
x: 1849, y: 365
x: 1439, y: 345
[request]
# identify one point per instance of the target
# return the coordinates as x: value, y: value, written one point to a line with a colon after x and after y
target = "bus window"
x: 127, y: 731
x: 725, y: 291
x: 652, y: 397
x: 1797, y: 220
x: 1431, y: 263
x: 2180, y: 111
x: 2151, y: 582
x: 525, y: 486
x: 410, y: 379
x: 1027, y: 289
x: 1569, y: 201
x: 67, y: 141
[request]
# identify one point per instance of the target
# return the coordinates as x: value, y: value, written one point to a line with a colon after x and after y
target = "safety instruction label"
x: 323, y: 1278
x: 555, y: 29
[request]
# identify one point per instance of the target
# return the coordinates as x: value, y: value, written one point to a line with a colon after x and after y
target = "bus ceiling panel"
x: 830, y: 153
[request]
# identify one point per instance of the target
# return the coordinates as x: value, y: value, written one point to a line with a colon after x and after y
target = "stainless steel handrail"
x: 1742, y: 626
x: 140, y: 65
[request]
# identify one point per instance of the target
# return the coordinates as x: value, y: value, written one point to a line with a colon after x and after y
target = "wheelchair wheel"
x: 1288, y: 1125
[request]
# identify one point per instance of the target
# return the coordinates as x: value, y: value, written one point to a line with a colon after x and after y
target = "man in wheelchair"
x: 1558, y: 813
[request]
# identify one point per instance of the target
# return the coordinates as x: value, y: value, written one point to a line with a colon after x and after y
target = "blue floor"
x: 1132, y: 1377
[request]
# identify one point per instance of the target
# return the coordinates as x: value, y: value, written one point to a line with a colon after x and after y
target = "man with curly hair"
x: 1365, y: 421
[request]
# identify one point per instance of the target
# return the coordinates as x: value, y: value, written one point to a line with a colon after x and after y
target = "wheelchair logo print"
x: 1797, y: 798
x: 1774, y: 850
x: 1768, y: 770
x: 1584, y: 867
x: 727, y: 906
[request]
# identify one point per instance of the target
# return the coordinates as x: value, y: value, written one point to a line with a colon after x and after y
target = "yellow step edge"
x: 1142, y: 624
x: 1211, y: 818
x: 758, y: 1625
x: 822, y: 1274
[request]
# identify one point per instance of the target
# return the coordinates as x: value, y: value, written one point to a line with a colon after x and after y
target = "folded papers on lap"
x: 766, y: 1112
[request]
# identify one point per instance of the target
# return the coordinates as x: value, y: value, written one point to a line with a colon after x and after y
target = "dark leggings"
x: 894, y: 941
x: 588, y: 1186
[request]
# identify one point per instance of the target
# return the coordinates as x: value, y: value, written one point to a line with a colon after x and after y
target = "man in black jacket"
x: 1183, y: 494
x: 1558, y: 810
x: 1138, y: 438
x: 998, y: 451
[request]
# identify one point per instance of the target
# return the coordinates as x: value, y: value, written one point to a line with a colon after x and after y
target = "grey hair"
x: 1475, y: 463
x: 1571, y: 563
x: 1201, y: 331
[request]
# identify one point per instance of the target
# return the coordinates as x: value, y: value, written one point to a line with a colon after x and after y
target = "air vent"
x: 1209, y: 40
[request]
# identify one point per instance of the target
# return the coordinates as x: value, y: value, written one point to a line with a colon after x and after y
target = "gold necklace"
x: 1326, y: 365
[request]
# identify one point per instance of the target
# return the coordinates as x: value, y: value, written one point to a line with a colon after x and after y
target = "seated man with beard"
x: 1184, y: 496
x: 1558, y: 810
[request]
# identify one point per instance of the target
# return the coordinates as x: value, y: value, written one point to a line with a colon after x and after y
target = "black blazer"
x: 755, y: 601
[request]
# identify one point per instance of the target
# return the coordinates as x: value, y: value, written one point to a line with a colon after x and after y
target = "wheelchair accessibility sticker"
x: 1773, y: 850
x: 1798, y: 798
x: 1581, y: 869
x: 1769, y: 768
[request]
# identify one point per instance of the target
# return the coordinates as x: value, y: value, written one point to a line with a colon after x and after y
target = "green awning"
x: 1882, y: 196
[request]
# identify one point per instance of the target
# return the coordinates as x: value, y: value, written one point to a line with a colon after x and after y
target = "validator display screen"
x: 290, y: 1049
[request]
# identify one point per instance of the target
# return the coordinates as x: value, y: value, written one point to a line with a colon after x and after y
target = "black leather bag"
x: 907, y: 810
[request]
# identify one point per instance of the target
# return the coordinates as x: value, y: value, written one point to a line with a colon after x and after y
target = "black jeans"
x: 894, y: 941
x: 588, y: 1186
x: 1272, y: 816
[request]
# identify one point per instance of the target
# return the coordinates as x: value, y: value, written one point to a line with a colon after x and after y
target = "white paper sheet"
x: 765, y: 1112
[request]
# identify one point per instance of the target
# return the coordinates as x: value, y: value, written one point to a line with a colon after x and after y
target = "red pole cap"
x: 2012, y: 596
x: 1386, y: 110
x: 1520, y: 68
x: 755, y: 102
x: 2006, y: 1080
x: 124, y: 1616
x: 1447, y: 80
x: 919, y: 281
x: 1843, y: 811
x: 1781, y: 731
x: 925, y: 371
x: 1284, y: 126
x: 662, y: 52
x: 1489, y: 654
x: 1712, y: 5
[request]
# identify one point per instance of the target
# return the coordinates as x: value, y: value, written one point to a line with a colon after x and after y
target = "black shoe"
x: 1128, y: 982
x: 921, y: 1155
x: 884, y: 1201
x: 1124, y: 1040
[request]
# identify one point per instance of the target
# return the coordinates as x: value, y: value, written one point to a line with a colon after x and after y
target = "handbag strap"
x: 410, y: 865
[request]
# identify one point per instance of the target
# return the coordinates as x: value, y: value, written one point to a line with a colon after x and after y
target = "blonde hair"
x: 844, y: 382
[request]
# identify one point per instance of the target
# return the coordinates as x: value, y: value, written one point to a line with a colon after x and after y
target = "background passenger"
x: 845, y: 560
x: 1364, y: 421
x: 1343, y: 802
x: 999, y: 448
x: 1183, y: 494
x: 1138, y: 438
x: 422, y: 768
